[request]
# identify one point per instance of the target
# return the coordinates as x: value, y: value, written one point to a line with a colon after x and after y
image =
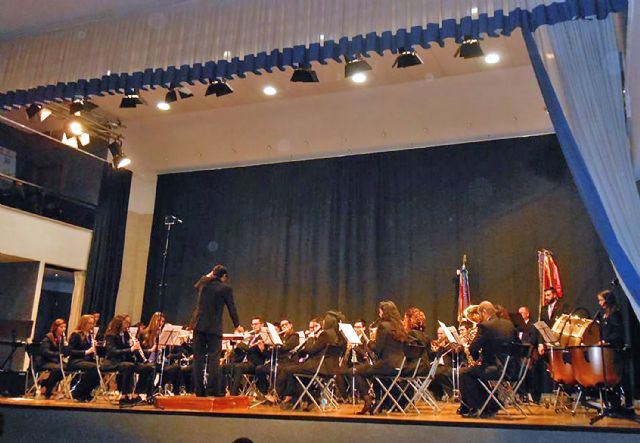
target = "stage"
x: 42, y: 420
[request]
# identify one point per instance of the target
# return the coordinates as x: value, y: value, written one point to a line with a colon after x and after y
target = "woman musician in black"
x: 52, y: 350
x: 388, y: 344
x: 82, y: 357
x: 328, y: 342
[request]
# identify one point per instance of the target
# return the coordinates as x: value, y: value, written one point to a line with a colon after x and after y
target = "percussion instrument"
x: 560, y: 366
x: 596, y: 366
x: 575, y: 331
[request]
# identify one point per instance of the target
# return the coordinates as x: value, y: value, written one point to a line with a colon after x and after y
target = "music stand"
x: 352, y: 339
x: 270, y: 337
x: 14, y: 333
x: 170, y: 336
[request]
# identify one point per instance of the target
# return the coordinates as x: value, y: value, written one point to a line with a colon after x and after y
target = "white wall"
x: 41, y: 239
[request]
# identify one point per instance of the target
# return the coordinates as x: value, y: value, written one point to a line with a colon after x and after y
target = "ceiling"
x: 21, y: 17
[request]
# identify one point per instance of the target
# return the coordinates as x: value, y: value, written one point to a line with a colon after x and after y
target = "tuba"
x: 472, y: 314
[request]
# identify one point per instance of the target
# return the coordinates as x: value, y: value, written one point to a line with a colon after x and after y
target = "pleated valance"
x: 198, y: 41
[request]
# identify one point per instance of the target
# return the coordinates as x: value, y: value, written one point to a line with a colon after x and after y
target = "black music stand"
x: 14, y: 333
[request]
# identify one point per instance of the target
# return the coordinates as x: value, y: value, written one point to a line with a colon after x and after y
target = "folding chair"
x: 388, y: 384
x: 503, y: 387
x: 421, y: 386
x: 322, y: 383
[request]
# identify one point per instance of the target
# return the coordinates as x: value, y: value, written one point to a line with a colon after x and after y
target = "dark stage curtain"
x: 344, y: 233
x: 107, y: 244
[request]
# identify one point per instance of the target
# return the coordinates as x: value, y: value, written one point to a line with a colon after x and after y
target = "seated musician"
x: 442, y: 384
x: 181, y: 356
x: 493, y: 339
x: 52, y: 349
x: 414, y: 325
x: 149, y: 340
x: 359, y: 353
x: 82, y: 357
x: 121, y: 351
x: 388, y: 344
x: 327, y: 341
x: 255, y: 354
x: 290, y: 340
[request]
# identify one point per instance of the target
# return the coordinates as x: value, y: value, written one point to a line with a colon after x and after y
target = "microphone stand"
x: 169, y: 221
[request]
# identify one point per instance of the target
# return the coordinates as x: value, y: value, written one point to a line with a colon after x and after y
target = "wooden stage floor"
x: 540, y: 418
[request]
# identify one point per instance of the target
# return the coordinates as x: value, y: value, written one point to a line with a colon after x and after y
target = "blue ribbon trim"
x: 498, y: 24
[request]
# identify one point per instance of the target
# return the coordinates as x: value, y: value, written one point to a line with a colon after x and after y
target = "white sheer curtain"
x: 79, y: 278
x: 584, y: 64
x: 204, y: 30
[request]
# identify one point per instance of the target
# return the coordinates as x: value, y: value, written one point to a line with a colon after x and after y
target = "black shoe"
x: 124, y: 401
x: 368, y: 406
x: 462, y: 410
x: 286, y: 406
x: 488, y: 414
x: 471, y: 413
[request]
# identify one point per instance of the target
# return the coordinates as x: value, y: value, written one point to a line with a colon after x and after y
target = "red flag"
x: 548, y: 275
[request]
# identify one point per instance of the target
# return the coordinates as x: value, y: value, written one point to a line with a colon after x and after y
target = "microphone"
x: 171, y: 219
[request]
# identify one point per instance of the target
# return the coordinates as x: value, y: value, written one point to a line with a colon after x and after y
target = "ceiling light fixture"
x: 492, y: 58
x: 84, y: 139
x: 119, y: 159
x: 353, y: 67
x: 163, y: 106
x: 218, y: 87
x: 270, y: 90
x: 32, y: 110
x: 80, y: 105
x: 407, y: 58
x: 132, y: 98
x: 304, y: 74
x: 470, y: 48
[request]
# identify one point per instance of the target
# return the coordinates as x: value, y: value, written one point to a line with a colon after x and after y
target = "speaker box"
x: 12, y: 383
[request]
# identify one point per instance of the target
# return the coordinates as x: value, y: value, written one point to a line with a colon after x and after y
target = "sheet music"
x: 271, y: 336
x: 350, y: 334
x: 547, y: 334
x: 447, y: 332
x: 170, y: 335
x: 133, y: 331
x: 95, y: 331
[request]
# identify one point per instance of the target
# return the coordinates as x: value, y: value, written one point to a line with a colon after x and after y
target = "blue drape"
x: 500, y: 23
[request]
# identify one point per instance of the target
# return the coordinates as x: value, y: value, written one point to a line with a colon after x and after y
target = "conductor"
x: 213, y: 294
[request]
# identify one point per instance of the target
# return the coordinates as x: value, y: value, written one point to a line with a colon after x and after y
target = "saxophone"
x: 469, y: 337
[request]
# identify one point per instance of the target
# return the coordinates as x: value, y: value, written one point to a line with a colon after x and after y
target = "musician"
x: 290, y: 340
x: 213, y: 294
x: 83, y: 357
x: 52, y: 348
x: 387, y: 343
x: 149, y: 341
x: 493, y: 339
x: 120, y: 357
x: 552, y: 307
x: 528, y: 334
x: 327, y: 341
x: 414, y: 323
x: 610, y: 319
x: 255, y: 353
x: 442, y: 384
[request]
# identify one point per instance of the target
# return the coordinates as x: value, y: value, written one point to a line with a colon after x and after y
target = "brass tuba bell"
x: 472, y: 314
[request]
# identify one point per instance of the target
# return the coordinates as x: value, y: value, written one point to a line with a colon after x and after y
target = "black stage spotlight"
x: 470, y: 48
x: 184, y: 92
x: 407, y: 58
x: 131, y: 99
x: 304, y: 74
x: 218, y: 87
x: 355, y: 66
x: 171, y: 96
x: 119, y: 159
x: 33, y: 110
x: 76, y: 107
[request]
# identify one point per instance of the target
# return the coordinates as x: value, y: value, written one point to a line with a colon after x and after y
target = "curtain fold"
x: 581, y: 82
x: 201, y: 40
x: 107, y: 244
x: 77, y: 298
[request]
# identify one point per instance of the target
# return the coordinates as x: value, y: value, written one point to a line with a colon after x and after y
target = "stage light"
x: 131, y: 99
x: 44, y: 113
x: 359, y: 77
x: 76, y: 128
x: 32, y: 110
x: 80, y: 105
x: 407, y: 58
x: 119, y: 159
x: 470, y: 48
x: 353, y: 67
x: 492, y: 58
x: 84, y: 138
x: 185, y: 92
x: 172, y: 96
x: 270, y: 90
x: 219, y: 88
x: 163, y: 106
x: 304, y: 75
x: 71, y: 141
